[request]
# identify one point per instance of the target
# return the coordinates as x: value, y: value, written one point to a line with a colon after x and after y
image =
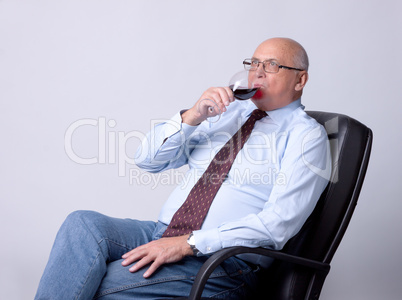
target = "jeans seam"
x: 154, y: 281
x: 238, y: 272
x: 117, y: 243
x: 114, y: 242
x: 90, y: 270
x: 142, y: 283
x: 228, y: 290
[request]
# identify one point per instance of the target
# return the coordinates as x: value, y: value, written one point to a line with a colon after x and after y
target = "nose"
x: 260, y: 70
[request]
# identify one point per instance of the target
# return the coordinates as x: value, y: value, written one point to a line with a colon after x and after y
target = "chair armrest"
x: 217, y: 258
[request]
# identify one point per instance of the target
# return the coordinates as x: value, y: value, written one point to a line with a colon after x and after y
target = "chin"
x: 260, y: 97
x: 259, y: 103
x: 264, y: 103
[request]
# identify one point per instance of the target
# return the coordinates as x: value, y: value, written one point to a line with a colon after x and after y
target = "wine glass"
x: 242, y: 90
x: 241, y: 87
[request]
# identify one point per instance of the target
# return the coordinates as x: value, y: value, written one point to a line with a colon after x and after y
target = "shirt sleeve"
x: 164, y: 146
x: 305, y: 169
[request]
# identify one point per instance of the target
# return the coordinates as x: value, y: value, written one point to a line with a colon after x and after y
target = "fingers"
x: 142, y: 258
x: 157, y: 253
x: 154, y: 266
x: 130, y: 257
x: 212, y: 102
x: 222, y: 96
x: 140, y: 264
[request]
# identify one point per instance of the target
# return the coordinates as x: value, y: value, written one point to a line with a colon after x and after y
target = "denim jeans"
x: 85, y: 263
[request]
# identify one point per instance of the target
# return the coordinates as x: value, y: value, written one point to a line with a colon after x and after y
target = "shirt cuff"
x: 207, y: 241
x: 178, y: 126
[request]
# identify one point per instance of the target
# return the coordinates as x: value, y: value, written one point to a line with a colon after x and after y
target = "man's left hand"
x: 157, y: 253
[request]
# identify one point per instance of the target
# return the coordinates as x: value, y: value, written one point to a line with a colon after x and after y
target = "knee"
x: 81, y: 217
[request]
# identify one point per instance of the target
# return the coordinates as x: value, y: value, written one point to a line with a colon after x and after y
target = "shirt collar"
x: 277, y: 115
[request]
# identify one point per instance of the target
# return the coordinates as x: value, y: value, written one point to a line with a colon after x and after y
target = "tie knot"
x: 258, y: 114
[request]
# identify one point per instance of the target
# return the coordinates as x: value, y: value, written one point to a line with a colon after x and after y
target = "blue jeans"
x: 85, y: 263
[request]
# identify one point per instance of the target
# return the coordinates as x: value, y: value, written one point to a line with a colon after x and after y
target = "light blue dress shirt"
x: 272, y: 187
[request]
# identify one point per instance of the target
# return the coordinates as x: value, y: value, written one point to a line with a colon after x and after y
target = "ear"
x: 302, y: 80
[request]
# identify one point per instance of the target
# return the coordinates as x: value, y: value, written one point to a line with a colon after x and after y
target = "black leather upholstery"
x: 299, y: 270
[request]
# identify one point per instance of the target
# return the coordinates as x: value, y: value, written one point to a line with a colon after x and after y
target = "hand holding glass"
x: 242, y: 90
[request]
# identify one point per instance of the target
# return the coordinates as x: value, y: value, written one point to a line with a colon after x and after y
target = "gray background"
x: 127, y: 63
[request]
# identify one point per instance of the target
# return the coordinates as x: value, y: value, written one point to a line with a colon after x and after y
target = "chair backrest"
x: 350, y: 143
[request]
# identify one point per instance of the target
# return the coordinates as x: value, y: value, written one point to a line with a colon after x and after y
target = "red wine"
x: 242, y: 93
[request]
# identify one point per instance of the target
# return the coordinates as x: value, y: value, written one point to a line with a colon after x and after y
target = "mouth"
x: 258, y: 94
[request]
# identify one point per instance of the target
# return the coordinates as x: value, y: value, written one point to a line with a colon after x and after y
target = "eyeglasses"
x: 269, y: 65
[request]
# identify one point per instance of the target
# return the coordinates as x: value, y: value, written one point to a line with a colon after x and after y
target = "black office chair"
x: 300, y: 269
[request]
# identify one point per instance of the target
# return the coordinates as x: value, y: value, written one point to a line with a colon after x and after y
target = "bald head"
x: 290, y: 48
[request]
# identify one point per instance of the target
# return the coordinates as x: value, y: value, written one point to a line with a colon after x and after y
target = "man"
x: 262, y: 200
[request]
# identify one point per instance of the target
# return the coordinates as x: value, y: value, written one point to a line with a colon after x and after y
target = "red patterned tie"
x: 191, y: 214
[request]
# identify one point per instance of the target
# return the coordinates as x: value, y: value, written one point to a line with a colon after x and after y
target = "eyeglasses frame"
x: 245, y: 62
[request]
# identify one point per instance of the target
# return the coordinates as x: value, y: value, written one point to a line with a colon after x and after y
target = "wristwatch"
x: 191, y: 242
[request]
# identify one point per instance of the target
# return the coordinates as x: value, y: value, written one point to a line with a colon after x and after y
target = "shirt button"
x: 209, y: 248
